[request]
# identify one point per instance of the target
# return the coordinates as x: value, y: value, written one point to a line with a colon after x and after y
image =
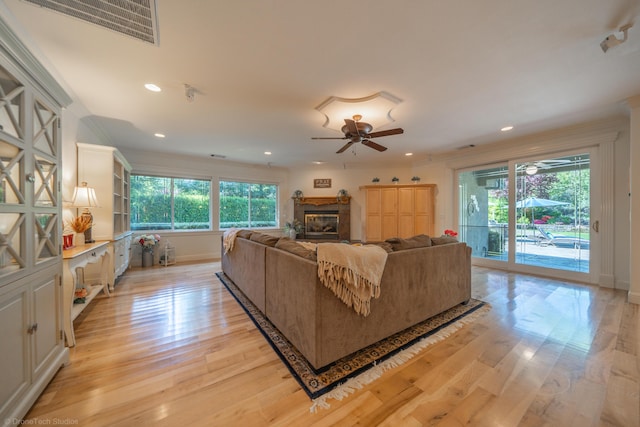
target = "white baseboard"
x: 634, y: 297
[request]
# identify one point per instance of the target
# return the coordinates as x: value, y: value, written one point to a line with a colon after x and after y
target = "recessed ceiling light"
x: 408, y: 154
x: 506, y: 128
x: 268, y: 153
x: 159, y: 135
x: 316, y: 162
x: 152, y: 87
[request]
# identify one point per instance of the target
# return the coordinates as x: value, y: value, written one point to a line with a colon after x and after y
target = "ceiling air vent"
x: 133, y: 18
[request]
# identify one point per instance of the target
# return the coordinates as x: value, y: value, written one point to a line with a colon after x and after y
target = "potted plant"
x: 148, y: 242
x: 292, y: 228
x: 342, y: 196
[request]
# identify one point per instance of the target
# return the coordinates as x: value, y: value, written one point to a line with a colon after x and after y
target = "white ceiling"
x: 464, y: 69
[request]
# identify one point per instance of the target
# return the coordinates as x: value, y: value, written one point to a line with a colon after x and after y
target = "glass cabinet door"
x: 13, y: 208
x: 44, y: 177
x: 30, y: 225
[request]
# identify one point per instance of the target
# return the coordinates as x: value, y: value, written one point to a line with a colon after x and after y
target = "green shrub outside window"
x: 248, y: 205
x: 167, y: 203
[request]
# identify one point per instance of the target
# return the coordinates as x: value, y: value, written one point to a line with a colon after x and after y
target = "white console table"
x: 79, y: 257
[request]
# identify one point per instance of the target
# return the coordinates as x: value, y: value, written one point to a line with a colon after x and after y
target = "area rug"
x: 352, y: 372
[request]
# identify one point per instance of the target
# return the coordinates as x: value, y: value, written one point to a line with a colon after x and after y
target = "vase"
x: 147, y: 257
x: 292, y: 233
x: 78, y: 239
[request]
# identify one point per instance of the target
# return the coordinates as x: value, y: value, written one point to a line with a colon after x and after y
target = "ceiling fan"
x: 357, y: 131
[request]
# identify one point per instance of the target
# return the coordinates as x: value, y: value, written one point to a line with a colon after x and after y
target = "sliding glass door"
x: 543, y: 223
x: 553, y: 212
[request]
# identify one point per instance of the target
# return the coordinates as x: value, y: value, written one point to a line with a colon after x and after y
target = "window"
x: 165, y: 203
x: 248, y: 205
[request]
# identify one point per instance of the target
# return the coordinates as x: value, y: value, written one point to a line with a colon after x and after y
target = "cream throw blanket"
x: 353, y: 273
x: 229, y: 239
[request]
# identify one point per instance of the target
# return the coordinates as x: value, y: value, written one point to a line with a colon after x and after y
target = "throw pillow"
x: 289, y: 245
x: 265, y: 239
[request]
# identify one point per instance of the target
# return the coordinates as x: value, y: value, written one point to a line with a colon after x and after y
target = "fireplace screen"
x: 321, y: 225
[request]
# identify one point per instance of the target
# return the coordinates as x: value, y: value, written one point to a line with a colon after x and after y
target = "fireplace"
x: 321, y: 225
x: 324, y: 218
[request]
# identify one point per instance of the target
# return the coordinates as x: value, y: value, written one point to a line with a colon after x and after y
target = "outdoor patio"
x: 530, y: 252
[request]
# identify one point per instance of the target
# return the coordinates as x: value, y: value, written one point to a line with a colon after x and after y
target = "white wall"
x: 634, y: 196
x: 73, y: 129
x: 352, y: 178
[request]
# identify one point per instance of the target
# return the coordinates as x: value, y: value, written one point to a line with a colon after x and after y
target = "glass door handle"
x: 596, y: 226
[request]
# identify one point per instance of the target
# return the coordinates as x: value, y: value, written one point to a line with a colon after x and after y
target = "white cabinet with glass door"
x: 30, y: 228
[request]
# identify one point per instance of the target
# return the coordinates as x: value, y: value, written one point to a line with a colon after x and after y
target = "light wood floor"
x: 172, y: 348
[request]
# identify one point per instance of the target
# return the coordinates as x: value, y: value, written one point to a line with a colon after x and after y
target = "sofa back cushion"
x: 289, y: 245
x: 419, y: 241
x: 245, y: 234
x: 443, y: 240
x: 265, y: 239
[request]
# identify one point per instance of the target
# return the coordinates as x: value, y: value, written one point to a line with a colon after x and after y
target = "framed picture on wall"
x: 322, y: 183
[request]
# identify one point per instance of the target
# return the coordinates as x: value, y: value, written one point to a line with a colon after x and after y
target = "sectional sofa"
x: 422, y: 277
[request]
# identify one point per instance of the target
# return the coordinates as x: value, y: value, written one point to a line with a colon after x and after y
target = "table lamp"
x: 85, y: 197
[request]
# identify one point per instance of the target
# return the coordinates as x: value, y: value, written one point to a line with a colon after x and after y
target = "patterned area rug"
x: 352, y: 372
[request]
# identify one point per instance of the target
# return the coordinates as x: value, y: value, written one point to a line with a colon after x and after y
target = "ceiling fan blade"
x: 396, y: 131
x: 352, y: 127
x: 373, y: 145
x: 347, y: 145
x: 327, y: 137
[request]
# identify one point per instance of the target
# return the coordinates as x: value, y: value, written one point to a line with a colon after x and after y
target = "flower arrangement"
x: 293, y: 225
x: 415, y: 179
x: 148, y: 241
x: 395, y: 179
x: 80, y: 224
x: 376, y: 179
x: 450, y: 233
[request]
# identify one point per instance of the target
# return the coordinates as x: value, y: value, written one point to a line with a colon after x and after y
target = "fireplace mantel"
x: 320, y: 201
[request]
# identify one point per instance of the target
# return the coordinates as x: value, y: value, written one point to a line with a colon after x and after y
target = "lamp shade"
x: 84, y: 197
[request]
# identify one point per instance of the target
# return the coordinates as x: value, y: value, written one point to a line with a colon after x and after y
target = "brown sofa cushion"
x: 384, y: 245
x: 419, y: 241
x: 289, y: 245
x: 265, y: 239
x: 443, y: 240
x: 245, y: 234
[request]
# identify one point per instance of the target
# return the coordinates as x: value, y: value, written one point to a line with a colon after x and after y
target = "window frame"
x: 250, y: 182
x: 172, y: 179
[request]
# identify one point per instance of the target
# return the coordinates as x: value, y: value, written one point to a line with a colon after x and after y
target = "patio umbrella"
x: 534, y: 202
